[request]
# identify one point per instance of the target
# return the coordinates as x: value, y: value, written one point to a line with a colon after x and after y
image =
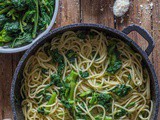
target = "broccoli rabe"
x: 19, y: 18
x: 22, y: 39
x: 121, y: 90
x: 56, y: 80
x: 99, y: 117
x: 103, y: 99
x: 46, y: 111
x: 71, y: 55
x: 84, y: 74
x: 120, y: 113
x: 114, y: 61
x: 19, y: 4
x: 12, y: 27
x: 67, y: 90
x: 86, y: 93
x: 4, y: 37
x: 3, y: 19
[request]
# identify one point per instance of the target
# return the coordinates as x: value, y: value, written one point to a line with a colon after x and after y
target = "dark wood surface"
x: 141, y: 12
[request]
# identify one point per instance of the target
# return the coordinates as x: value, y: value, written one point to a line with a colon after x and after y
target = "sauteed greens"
x: 22, y: 20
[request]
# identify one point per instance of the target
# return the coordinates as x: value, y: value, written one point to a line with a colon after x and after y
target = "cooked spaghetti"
x: 85, y: 75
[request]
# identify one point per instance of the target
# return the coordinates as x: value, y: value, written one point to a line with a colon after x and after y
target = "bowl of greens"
x: 23, y: 22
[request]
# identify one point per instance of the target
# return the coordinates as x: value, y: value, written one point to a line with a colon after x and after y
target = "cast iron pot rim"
x: 85, y: 25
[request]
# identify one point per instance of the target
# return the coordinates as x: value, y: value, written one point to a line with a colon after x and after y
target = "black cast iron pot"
x: 16, y: 83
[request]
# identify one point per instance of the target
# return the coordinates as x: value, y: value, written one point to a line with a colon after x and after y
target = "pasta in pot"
x: 85, y: 75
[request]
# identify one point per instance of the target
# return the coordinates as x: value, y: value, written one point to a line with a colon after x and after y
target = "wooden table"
x: 90, y: 11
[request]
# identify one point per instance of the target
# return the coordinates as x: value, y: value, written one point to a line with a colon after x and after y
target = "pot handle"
x: 144, y: 33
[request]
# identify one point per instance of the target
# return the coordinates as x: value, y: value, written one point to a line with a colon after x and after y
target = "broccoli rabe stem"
x: 72, y: 76
x: 108, y: 118
x: 5, y: 10
x: 83, y: 94
x: 21, y: 26
x: 72, y: 87
x: 51, y: 100
x: 71, y: 81
x: 36, y: 19
x: 94, y: 99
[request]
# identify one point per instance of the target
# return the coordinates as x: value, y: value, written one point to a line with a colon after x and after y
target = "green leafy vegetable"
x: 121, y: 90
x: 46, y: 111
x: 79, y: 114
x: 84, y: 74
x: 67, y: 103
x: 56, y: 56
x: 94, y: 98
x: 102, y: 99
x: 72, y: 77
x: 19, y: 4
x: 21, y: 17
x: 114, y: 68
x: 3, y: 19
x: 129, y: 77
x: 4, y: 37
x: 105, y: 100
x: 108, y: 118
x: 67, y: 90
x: 99, y: 117
x: 71, y: 55
x: 86, y: 93
x: 12, y: 27
x: 114, y: 61
x: 56, y: 80
x: 131, y: 104
x: 36, y: 17
x: 22, y: 39
x: 120, y: 113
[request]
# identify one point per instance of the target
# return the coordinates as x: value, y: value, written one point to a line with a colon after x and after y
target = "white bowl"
x: 19, y: 49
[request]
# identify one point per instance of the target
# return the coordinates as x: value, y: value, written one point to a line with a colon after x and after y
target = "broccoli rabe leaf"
x: 12, y: 27
x: 19, y: 4
x: 120, y: 113
x: 22, y: 39
x: 71, y: 55
x: 84, y: 74
x: 3, y: 19
x: 44, y: 21
x: 105, y: 100
x: 115, y: 67
x: 121, y: 90
x: 56, y: 80
x: 114, y: 61
x: 56, y: 56
x: 102, y: 99
x: 67, y: 103
x: 79, y: 114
